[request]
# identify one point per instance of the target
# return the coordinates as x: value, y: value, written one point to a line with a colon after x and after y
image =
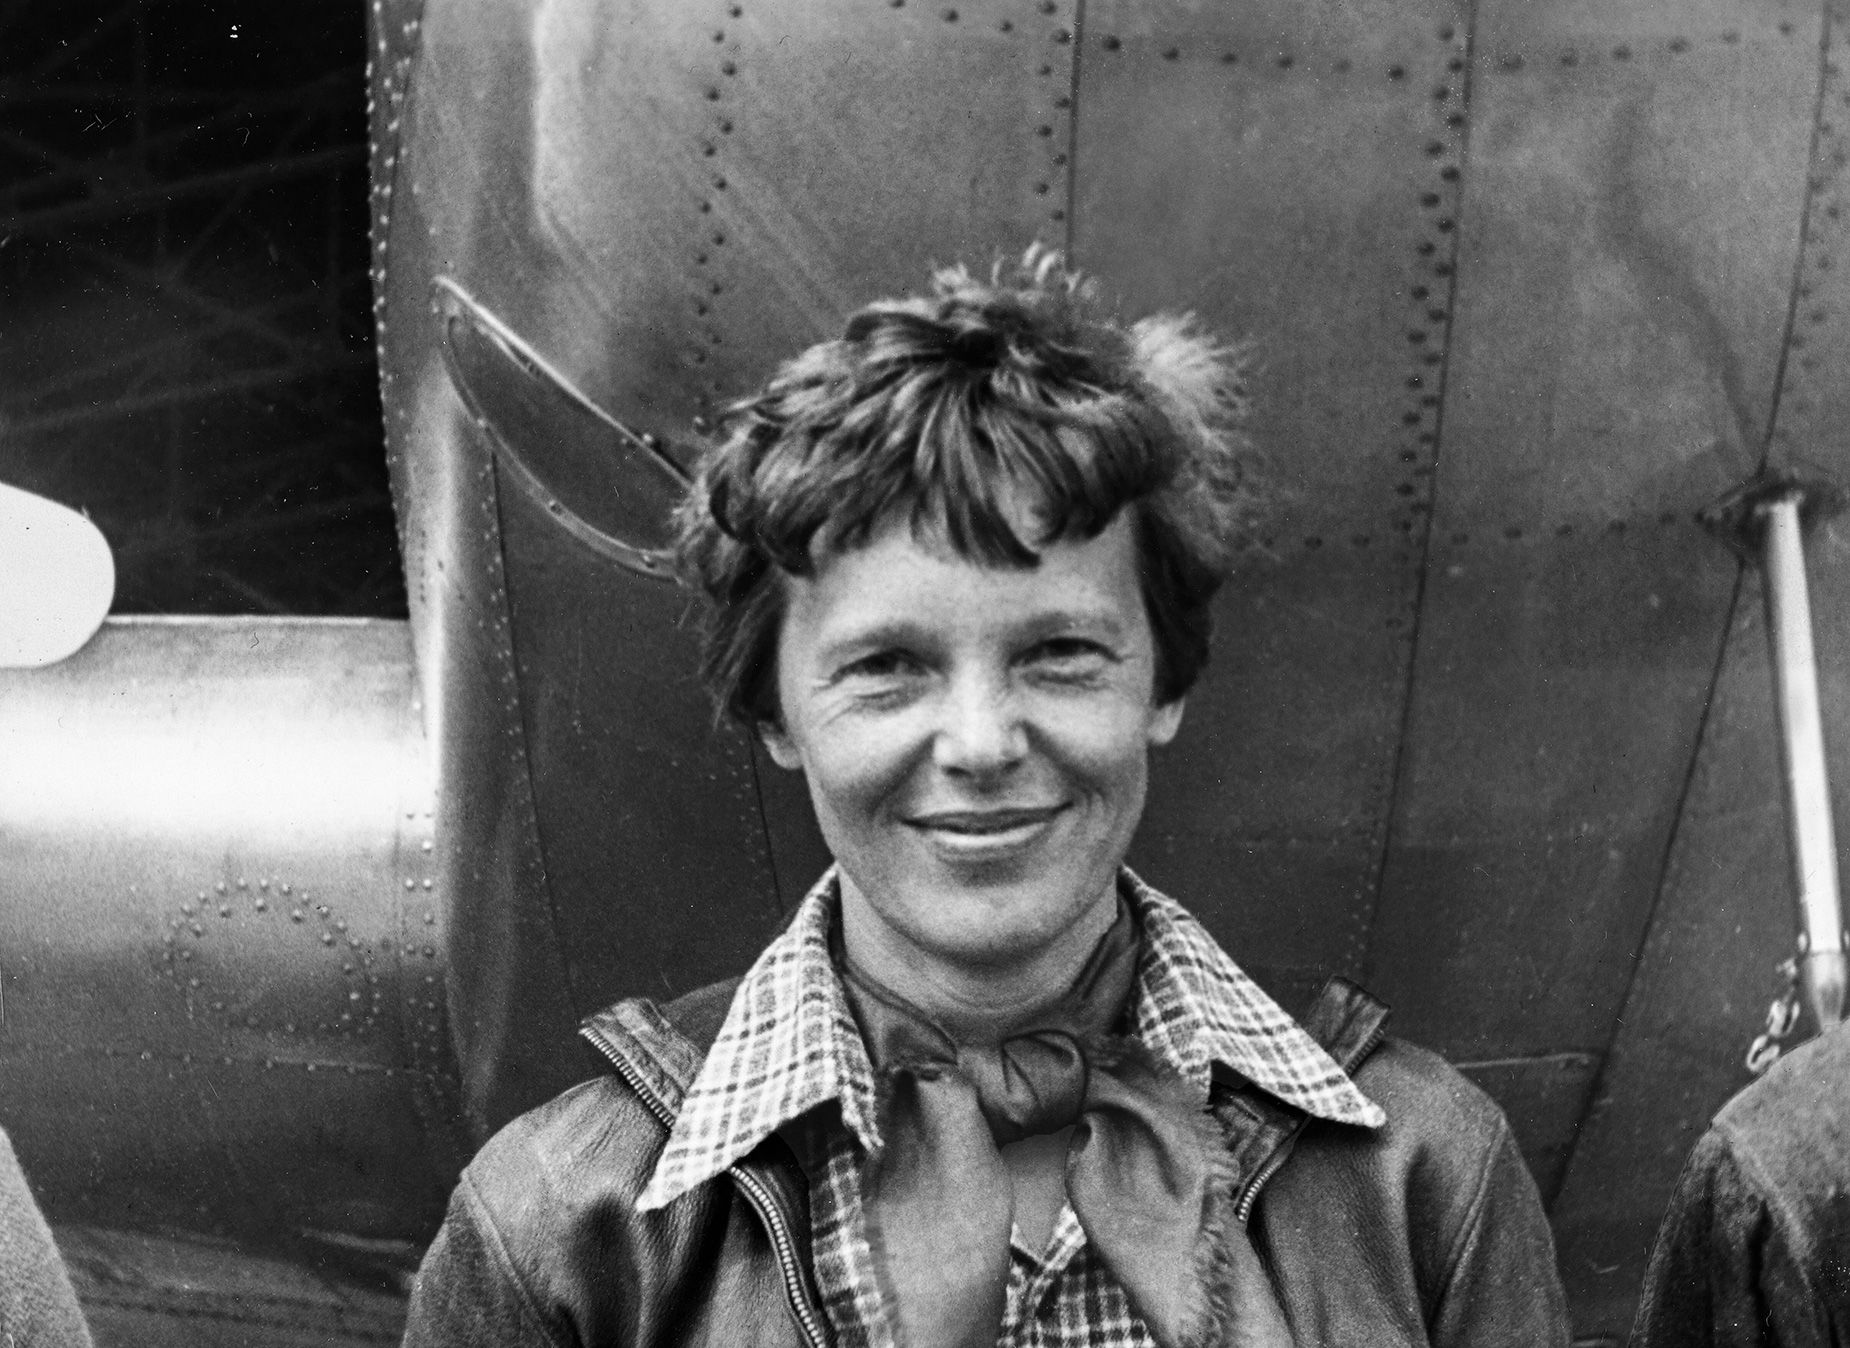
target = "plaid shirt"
x: 789, y: 1044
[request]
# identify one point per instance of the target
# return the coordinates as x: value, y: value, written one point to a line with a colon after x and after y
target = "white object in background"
x: 57, y: 578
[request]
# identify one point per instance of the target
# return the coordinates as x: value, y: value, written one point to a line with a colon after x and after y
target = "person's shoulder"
x: 1760, y: 1205
x: 598, y: 1142
x: 544, y: 1241
x: 1443, y: 1140
x: 1427, y: 1098
x: 1788, y: 1132
x: 1437, y: 1196
x: 590, y: 1147
x: 1798, y: 1100
x: 1446, y: 1144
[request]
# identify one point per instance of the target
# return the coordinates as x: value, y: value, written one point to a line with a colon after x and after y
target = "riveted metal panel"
x: 1543, y: 1097
x: 595, y: 837
x: 392, y: 28
x: 835, y: 152
x: 1558, y: 693
x: 1814, y: 405
x: 1282, y: 171
x: 1705, y: 974
x: 212, y: 932
x: 1265, y: 814
x: 1630, y: 186
x: 664, y: 199
x: 731, y: 234
x: 767, y: 197
x: 1726, y: 913
x: 1629, y: 234
x: 505, y: 976
x: 655, y: 847
x: 1707, y: 971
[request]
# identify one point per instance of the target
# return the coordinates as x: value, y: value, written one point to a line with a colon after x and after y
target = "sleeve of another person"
x: 37, y: 1304
x: 1720, y: 1269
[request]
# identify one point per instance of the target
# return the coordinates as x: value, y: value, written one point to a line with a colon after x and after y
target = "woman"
x: 988, y: 1086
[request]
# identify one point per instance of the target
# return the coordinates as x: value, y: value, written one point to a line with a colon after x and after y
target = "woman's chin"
x: 991, y: 914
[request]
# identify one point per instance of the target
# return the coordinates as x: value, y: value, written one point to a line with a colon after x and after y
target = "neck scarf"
x: 1144, y: 1168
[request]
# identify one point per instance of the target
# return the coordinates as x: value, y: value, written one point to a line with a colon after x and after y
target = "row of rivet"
x: 1054, y: 128
x: 1428, y: 336
x: 189, y: 1059
x: 179, y: 956
x: 1817, y: 284
x: 414, y: 536
x: 493, y: 620
x: 1428, y: 331
x: 438, y: 1096
x: 398, y: 415
x: 391, y: 73
x: 1569, y: 57
x: 710, y: 232
x: 710, y: 236
x: 1049, y: 187
x: 1055, y: 125
x: 377, y: 63
x: 1272, y: 546
x: 424, y: 1021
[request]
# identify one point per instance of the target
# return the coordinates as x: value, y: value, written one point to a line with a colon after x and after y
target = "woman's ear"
x: 779, y: 745
x: 1165, y: 720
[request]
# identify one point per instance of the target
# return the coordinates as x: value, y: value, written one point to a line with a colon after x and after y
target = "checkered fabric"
x: 789, y: 1044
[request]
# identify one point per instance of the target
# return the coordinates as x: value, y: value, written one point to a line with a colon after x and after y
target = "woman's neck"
x: 991, y: 995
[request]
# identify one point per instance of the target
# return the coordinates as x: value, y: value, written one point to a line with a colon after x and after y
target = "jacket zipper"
x: 768, y: 1212
x: 1244, y: 1208
x: 783, y: 1244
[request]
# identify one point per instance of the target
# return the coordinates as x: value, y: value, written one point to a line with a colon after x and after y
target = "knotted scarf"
x: 1145, y: 1167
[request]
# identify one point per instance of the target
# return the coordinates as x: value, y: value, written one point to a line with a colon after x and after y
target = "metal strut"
x: 1808, y: 791
x: 1768, y: 516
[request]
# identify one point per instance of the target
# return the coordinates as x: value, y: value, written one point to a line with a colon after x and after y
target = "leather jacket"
x: 1754, y: 1251
x: 1426, y: 1231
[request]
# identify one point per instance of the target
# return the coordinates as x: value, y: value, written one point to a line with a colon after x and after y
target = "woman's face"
x: 975, y: 738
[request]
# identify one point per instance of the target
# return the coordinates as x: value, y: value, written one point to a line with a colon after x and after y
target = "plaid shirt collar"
x: 789, y: 1042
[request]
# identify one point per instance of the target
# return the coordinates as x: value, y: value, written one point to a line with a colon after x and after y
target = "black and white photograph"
x: 924, y: 673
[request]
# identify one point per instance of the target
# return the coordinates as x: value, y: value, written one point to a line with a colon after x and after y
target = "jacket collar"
x: 786, y: 1042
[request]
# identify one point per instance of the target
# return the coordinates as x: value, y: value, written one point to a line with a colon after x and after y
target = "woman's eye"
x: 882, y: 679
x: 880, y: 665
x: 1070, y: 657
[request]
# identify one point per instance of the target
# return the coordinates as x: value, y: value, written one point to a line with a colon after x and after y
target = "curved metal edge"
x: 62, y: 579
x: 455, y: 302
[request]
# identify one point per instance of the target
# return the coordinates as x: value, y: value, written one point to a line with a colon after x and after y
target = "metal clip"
x: 1781, y: 1017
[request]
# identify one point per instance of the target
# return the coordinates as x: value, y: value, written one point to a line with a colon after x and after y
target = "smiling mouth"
x: 981, y: 825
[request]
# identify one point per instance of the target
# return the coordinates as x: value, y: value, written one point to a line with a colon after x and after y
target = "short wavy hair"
x: 954, y: 409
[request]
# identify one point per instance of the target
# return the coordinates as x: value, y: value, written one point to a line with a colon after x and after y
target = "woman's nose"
x: 980, y: 731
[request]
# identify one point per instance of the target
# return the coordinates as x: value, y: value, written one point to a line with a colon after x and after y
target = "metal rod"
x: 1814, y: 843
